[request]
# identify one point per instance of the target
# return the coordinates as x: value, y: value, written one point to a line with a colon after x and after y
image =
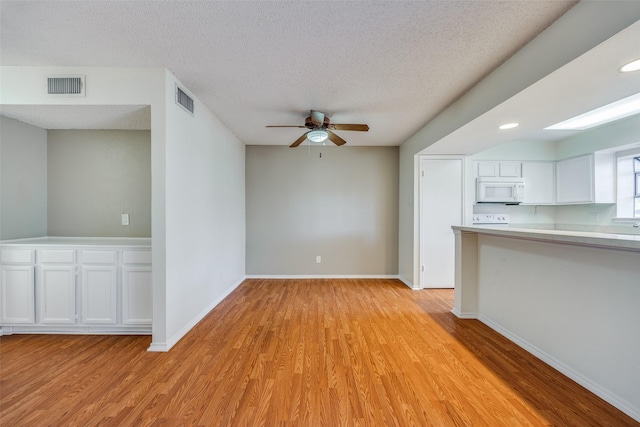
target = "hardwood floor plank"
x: 299, y: 353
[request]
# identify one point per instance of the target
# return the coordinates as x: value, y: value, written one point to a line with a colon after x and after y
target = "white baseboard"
x: 462, y: 315
x: 593, y: 387
x: 166, y: 346
x: 407, y: 282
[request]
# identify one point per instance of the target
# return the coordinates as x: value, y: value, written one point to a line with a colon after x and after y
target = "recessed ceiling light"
x: 616, y: 110
x: 631, y: 66
x: 508, y: 126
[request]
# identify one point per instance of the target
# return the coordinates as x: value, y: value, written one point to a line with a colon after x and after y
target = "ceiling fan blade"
x: 358, y: 127
x: 336, y: 139
x: 299, y: 141
x: 317, y: 118
x: 286, y: 126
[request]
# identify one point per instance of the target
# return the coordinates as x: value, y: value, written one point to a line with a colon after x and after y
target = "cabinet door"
x: 539, y: 183
x: 57, y: 294
x: 137, y: 299
x: 99, y: 294
x: 17, y: 293
x: 574, y: 180
x: 488, y: 169
x: 510, y: 169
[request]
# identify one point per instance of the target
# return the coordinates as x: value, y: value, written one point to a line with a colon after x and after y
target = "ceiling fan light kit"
x: 320, y: 129
x: 317, y: 135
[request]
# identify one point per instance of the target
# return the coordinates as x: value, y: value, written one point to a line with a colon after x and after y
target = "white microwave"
x: 500, y: 190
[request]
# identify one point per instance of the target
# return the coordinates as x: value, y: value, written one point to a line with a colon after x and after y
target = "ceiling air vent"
x: 184, y: 100
x: 65, y: 86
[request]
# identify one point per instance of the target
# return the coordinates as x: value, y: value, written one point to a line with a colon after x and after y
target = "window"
x: 628, y: 185
x: 636, y: 187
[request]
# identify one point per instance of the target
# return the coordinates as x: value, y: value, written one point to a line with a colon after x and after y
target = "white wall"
x: 205, y: 213
x: 23, y: 180
x: 543, y: 55
x: 93, y: 176
x: 340, y: 203
x: 185, y: 197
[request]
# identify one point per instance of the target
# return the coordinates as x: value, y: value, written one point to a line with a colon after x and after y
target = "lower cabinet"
x: 137, y: 299
x: 17, y: 296
x: 76, y: 290
x: 99, y: 285
x: 56, y: 297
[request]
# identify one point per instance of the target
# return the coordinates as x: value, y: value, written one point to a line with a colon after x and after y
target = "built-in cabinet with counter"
x: 583, y: 179
x: 76, y: 285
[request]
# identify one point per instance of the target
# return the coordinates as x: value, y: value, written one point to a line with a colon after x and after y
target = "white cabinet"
x: 586, y: 179
x: 56, y: 299
x: 539, y: 187
x: 504, y: 169
x: 56, y: 286
x: 82, y: 289
x: 17, y: 286
x: 17, y: 294
x: 99, y: 286
x: 137, y: 297
x: 137, y: 301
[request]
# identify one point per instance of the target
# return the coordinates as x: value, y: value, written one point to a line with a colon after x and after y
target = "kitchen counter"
x: 139, y: 242
x: 571, y: 298
x: 583, y: 238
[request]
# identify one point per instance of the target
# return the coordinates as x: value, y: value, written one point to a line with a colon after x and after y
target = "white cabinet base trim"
x: 75, y: 330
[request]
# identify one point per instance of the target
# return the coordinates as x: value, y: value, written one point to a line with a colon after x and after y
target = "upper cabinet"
x: 539, y: 183
x: 583, y: 179
x: 501, y: 169
x: 586, y: 179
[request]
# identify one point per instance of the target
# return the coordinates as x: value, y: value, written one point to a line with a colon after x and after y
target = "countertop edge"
x: 56, y: 241
x: 583, y: 238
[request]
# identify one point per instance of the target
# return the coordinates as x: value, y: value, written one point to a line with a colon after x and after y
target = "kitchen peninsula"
x: 570, y: 298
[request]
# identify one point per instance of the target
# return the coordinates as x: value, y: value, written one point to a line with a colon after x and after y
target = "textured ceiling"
x: 393, y: 65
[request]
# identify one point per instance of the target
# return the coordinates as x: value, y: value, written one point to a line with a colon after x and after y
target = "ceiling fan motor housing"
x: 309, y: 124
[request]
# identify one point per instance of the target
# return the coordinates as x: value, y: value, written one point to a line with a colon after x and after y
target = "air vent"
x: 65, y: 86
x: 184, y: 100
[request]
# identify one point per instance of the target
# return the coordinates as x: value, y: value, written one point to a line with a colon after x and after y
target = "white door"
x: 441, y: 192
x: 57, y: 294
x: 17, y: 294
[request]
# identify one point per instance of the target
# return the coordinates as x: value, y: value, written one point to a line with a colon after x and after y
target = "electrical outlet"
x: 318, y: 259
x: 125, y: 219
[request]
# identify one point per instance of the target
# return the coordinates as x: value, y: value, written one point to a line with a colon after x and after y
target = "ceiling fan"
x: 320, y: 129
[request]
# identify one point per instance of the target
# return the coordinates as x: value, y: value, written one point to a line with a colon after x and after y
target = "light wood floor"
x: 304, y: 352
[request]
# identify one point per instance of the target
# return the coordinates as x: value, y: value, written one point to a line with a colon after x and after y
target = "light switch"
x: 318, y: 259
x: 125, y: 219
